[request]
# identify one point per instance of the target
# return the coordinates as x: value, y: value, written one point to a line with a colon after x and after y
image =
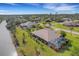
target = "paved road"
x: 69, y: 31
x: 6, y: 46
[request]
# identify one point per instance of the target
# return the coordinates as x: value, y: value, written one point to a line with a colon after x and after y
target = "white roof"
x: 28, y: 24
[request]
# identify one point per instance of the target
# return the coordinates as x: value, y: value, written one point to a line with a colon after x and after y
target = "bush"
x: 63, y: 34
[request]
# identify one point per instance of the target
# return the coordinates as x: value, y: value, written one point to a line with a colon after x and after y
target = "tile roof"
x: 46, y: 34
x: 28, y: 24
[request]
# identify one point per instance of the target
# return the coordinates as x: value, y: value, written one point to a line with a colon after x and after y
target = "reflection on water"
x: 6, y: 46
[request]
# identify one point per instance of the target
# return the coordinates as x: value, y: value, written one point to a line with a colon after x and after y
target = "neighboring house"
x: 50, y: 38
x: 74, y: 24
x: 36, y: 19
x: 28, y: 24
x: 47, y: 25
x: 65, y: 19
x: 49, y: 20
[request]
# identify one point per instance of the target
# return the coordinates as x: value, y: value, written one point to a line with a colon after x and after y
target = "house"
x: 36, y: 19
x: 28, y: 24
x: 74, y: 24
x: 65, y: 19
x: 47, y: 25
x: 49, y: 19
x: 50, y: 38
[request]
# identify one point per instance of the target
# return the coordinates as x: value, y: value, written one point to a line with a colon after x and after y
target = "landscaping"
x: 32, y: 47
x: 28, y: 45
x: 58, y: 25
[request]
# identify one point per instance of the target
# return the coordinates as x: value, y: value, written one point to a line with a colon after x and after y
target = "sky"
x: 39, y: 8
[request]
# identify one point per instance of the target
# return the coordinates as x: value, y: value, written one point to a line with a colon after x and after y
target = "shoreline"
x: 14, y: 43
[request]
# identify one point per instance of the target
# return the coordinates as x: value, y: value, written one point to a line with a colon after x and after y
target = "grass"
x: 57, y: 25
x: 30, y: 47
x: 74, y: 42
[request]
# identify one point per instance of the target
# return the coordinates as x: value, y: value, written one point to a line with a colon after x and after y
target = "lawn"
x: 57, y: 25
x: 31, y: 45
x: 74, y: 49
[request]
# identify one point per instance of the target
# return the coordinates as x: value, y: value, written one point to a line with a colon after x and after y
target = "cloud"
x: 2, y: 10
x: 35, y: 4
x: 11, y: 4
x: 60, y: 7
x: 8, y: 13
x: 49, y: 6
x: 65, y: 7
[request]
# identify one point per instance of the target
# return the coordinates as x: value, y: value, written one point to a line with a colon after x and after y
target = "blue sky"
x: 38, y: 8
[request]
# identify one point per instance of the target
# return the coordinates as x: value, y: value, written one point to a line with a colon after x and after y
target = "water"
x: 6, y: 46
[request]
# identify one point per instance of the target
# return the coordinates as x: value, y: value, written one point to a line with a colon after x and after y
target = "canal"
x: 6, y: 45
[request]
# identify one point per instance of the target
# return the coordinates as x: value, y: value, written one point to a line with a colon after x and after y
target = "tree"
x: 24, y: 42
x: 63, y: 34
x: 71, y: 28
x: 17, y: 43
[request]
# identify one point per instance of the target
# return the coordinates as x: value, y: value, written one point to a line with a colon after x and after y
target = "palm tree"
x: 71, y: 28
x: 17, y: 43
x: 24, y: 42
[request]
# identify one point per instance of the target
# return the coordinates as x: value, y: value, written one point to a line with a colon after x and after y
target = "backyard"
x: 32, y: 47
